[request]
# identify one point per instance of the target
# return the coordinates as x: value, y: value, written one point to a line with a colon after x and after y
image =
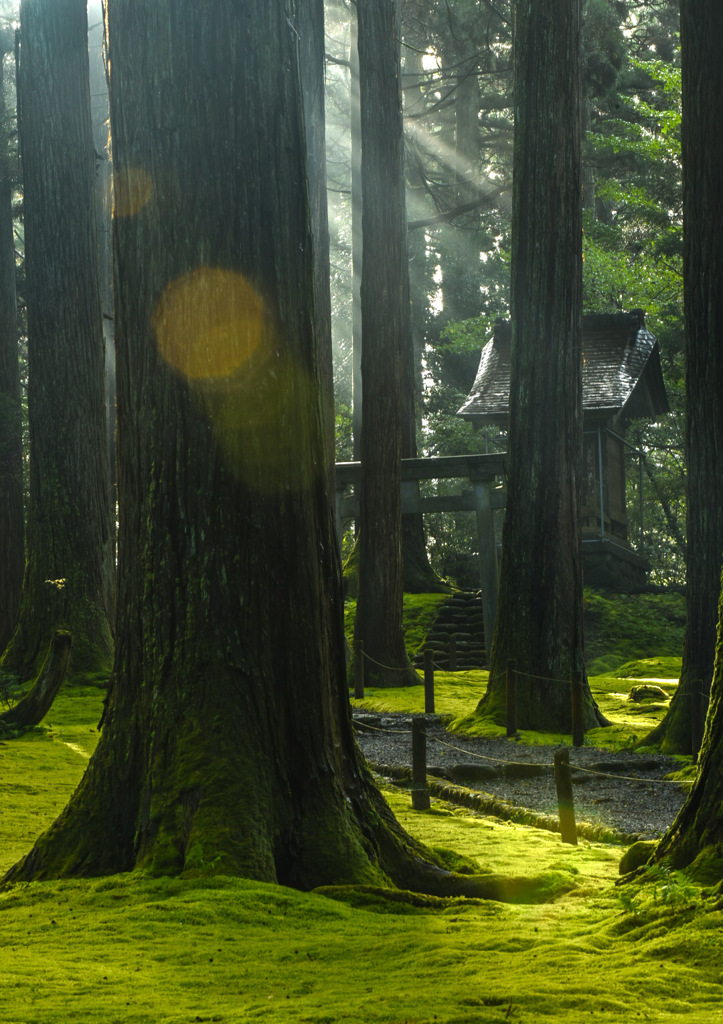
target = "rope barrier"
x: 529, y: 764
x: 623, y: 778
x: 485, y: 757
x: 541, y: 679
x: 389, y: 668
x: 375, y: 728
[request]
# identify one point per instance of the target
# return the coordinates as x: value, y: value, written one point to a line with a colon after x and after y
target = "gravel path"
x: 626, y: 792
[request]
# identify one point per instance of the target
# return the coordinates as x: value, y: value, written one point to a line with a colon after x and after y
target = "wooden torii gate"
x: 482, y: 471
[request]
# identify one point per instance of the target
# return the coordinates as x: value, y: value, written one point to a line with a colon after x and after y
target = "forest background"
x: 459, y: 219
x: 458, y: 142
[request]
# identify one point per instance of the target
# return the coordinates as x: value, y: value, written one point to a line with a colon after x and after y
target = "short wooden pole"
x: 428, y: 681
x: 420, y: 790
x: 359, y: 669
x: 453, y: 653
x: 511, y: 682
x: 578, y: 713
x: 565, y: 802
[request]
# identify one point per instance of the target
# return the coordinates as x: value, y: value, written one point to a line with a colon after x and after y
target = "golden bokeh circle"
x: 208, y: 322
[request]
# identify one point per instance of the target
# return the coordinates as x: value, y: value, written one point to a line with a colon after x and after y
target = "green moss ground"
x: 629, y: 638
x: 40, y: 769
x: 623, y: 627
x: 420, y: 611
x: 619, y: 628
x: 457, y: 695
x: 137, y: 950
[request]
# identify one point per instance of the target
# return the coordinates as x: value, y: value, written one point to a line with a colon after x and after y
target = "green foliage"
x: 659, y: 887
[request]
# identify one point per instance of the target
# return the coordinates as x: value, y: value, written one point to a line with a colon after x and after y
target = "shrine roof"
x: 621, y: 372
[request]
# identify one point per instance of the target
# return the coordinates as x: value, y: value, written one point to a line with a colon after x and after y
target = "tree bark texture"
x: 12, y: 549
x: 697, y: 832
x: 311, y: 14
x: 356, y: 232
x: 227, y: 736
x: 68, y: 581
x: 386, y: 321
x: 540, y: 608
x: 702, y: 150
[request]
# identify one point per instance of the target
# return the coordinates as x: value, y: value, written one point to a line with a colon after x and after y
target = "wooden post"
x: 359, y: 669
x: 428, y: 681
x: 565, y: 802
x: 420, y: 790
x: 578, y: 719
x: 511, y: 698
x: 453, y: 653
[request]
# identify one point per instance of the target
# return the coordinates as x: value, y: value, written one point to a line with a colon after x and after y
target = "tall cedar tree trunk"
x: 67, y: 580
x: 356, y: 234
x: 698, y: 830
x: 386, y: 322
x: 702, y: 149
x: 227, y: 736
x: 418, y: 574
x: 311, y: 14
x: 540, y: 609
x: 12, y: 551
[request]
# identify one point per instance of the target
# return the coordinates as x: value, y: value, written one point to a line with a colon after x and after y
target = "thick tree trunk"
x: 36, y: 703
x: 702, y: 147
x: 697, y: 832
x: 12, y: 550
x: 540, y: 609
x: 68, y: 581
x: 227, y: 736
x: 386, y: 321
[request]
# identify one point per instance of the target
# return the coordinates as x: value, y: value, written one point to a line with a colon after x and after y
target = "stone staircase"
x: 460, y: 616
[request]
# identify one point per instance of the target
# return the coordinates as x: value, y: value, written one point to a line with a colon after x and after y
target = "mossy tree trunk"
x: 697, y: 832
x: 227, y: 736
x: 702, y: 150
x: 386, y: 321
x: 68, y: 581
x: 36, y: 703
x: 12, y: 550
x: 540, y: 607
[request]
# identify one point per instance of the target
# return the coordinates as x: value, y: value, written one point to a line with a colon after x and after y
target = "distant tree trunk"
x: 356, y: 236
x: 12, y: 550
x: 540, y: 608
x: 311, y: 15
x: 385, y: 323
x: 227, y: 738
x: 418, y: 576
x: 68, y: 581
x: 702, y: 150
x: 466, y: 135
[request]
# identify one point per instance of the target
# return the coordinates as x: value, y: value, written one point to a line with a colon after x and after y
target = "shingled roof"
x: 621, y: 371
